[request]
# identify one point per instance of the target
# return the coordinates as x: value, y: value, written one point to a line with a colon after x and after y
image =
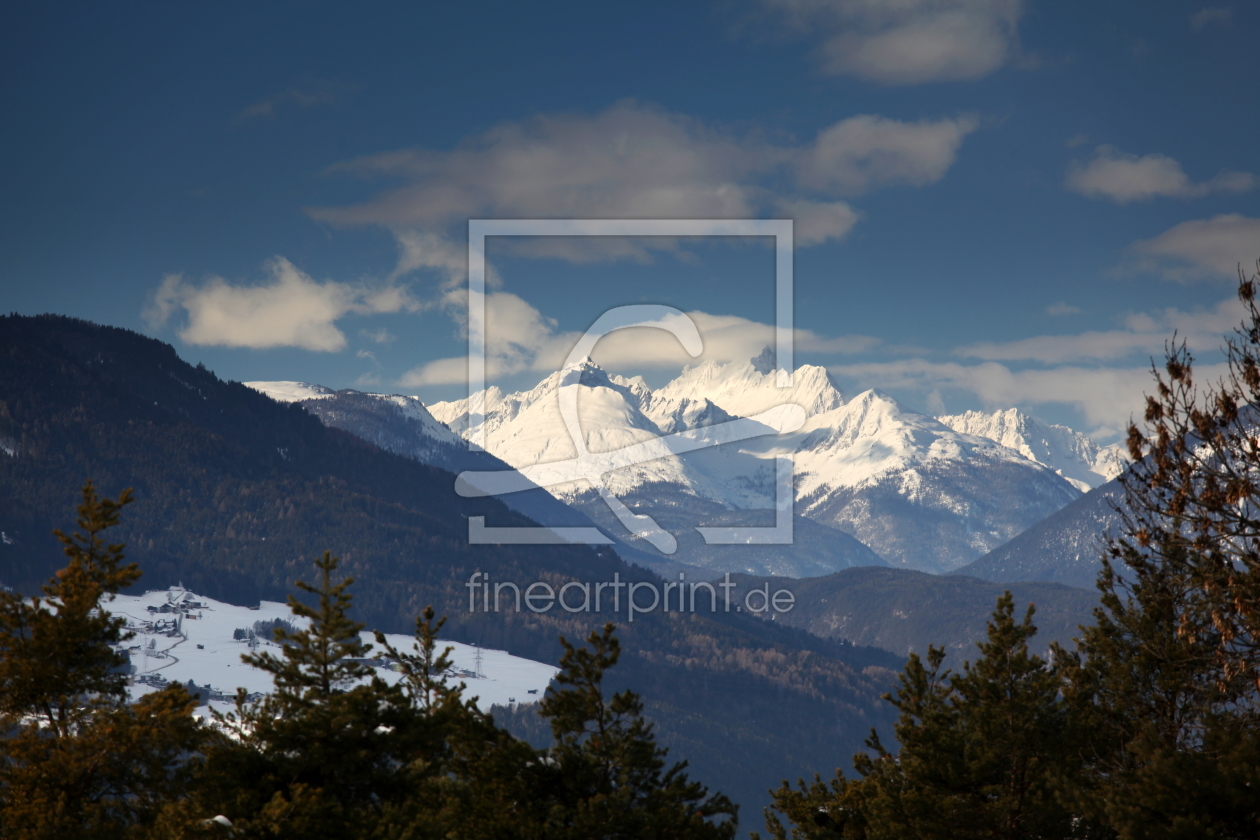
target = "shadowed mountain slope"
x: 905, y: 611
x: 1066, y: 547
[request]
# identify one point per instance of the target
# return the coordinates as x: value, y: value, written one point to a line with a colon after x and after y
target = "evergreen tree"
x: 319, y: 757
x: 606, y: 776
x: 1192, y: 497
x: 466, y: 776
x: 1165, y: 686
x: 1016, y: 736
x: 336, y: 752
x: 980, y: 754
x: 819, y: 810
x: 75, y: 758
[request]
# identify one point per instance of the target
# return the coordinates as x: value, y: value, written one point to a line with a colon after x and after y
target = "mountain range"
x: 235, y: 492
x: 875, y: 483
x: 919, y: 492
x: 1082, y: 462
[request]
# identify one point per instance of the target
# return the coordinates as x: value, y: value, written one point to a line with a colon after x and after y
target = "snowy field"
x: 193, y: 640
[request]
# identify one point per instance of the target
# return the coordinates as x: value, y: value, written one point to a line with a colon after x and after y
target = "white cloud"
x: 426, y: 249
x: 519, y: 338
x: 1122, y: 178
x: 637, y: 161
x: 1143, y: 333
x: 379, y: 335
x: 726, y: 338
x: 1211, y: 14
x: 1062, y: 308
x: 1105, y: 396
x: 630, y: 161
x: 1204, y: 248
x: 818, y: 221
x: 452, y: 371
x: 290, y: 310
x: 298, y: 96
x: 908, y: 41
x: 863, y: 152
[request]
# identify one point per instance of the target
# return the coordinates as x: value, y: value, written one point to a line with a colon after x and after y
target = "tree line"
x: 333, y: 752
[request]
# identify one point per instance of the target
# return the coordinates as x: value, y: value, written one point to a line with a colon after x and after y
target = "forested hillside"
x: 236, y: 493
x: 905, y: 611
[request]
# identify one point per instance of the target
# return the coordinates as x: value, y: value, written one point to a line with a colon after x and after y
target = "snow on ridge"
x: 454, y: 413
x: 1074, y: 456
x: 743, y: 389
x: 525, y: 429
x: 410, y: 407
x: 686, y: 413
x: 287, y: 392
x: 872, y: 437
x: 866, y: 466
x: 414, y: 408
x: 842, y: 445
x: 636, y: 385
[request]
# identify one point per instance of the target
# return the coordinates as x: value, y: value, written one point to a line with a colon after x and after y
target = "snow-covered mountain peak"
x: 582, y: 372
x: 500, y: 408
x: 687, y: 414
x: 744, y: 389
x: 873, y: 412
x: 1077, y: 458
x: 921, y: 492
x: 763, y: 363
x: 636, y: 385
x: 413, y: 408
x: 874, y: 434
x: 455, y: 412
x: 584, y: 363
x: 526, y: 429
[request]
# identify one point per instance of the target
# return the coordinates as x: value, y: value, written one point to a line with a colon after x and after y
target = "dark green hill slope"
x: 235, y: 494
x: 904, y: 611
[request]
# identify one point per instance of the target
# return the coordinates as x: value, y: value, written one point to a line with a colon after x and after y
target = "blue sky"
x: 997, y: 202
